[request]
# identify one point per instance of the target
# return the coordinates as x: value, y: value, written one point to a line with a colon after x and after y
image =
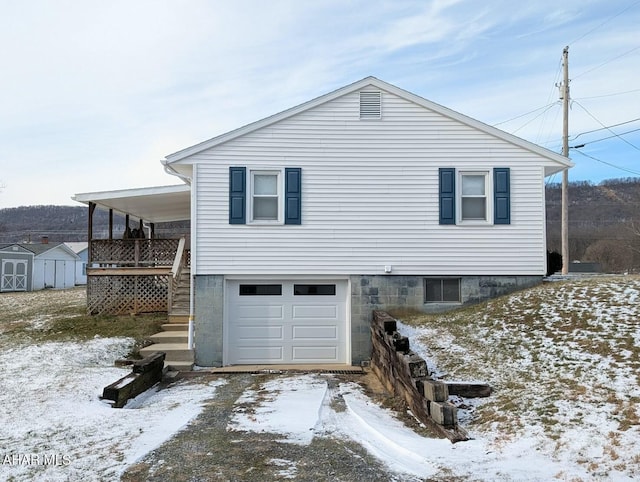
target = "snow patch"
x: 51, y: 410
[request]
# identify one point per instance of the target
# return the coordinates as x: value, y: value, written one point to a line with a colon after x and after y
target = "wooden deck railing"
x: 133, y: 252
x: 130, y: 275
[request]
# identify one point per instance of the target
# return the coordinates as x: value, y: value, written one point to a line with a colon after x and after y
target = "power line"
x: 594, y: 118
x: 525, y: 114
x: 605, y: 128
x: 605, y: 22
x: 539, y: 115
x: 606, y: 62
x: 608, y: 163
x: 609, y: 95
x: 605, y: 138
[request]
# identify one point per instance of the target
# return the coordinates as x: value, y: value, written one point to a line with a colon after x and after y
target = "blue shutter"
x: 237, y: 195
x: 447, y: 195
x: 501, y: 196
x: 293, y: 195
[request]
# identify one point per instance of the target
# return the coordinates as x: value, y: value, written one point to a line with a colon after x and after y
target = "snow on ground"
x: 53, y: 425
x: 404, y: 452
x: 564, y: 361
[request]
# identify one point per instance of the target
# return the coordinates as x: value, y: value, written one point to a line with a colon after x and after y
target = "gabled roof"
x: 5, y: 247
x: 562, y: 161
x: 41, y: 248
x: 153, y: 204
x: 77, y: 246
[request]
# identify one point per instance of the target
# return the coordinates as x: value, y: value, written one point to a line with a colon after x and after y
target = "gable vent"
x: 370, y: 105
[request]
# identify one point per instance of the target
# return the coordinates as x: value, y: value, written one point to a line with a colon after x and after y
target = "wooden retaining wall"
x: 405, y: 374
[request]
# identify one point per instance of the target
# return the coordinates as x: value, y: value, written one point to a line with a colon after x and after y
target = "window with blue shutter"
x: 501, y: 196
x: 293, y: 195
x: 447, y: 195
x: 237, y: 195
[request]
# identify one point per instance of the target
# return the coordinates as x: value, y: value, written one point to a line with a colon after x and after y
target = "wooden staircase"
x: 174, y: 337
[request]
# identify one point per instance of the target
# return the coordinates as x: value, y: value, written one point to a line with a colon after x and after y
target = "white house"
x: 54, y: 266
x: 81, y: 248
x: 369, y: 197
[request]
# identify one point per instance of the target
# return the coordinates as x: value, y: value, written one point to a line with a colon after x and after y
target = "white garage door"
x: 272, y: 322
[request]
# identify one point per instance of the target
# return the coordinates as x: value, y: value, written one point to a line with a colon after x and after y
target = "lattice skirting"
x: 120, y: 295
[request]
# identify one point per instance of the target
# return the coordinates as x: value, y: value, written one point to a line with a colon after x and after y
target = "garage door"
x: 271, y: 322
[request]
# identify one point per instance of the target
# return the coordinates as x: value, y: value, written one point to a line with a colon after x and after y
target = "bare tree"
x: 614, y: 256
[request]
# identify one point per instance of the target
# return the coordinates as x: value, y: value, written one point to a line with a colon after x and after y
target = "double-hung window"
x: 265, y: 196
x: 473, y: 196
x: 266, y: 193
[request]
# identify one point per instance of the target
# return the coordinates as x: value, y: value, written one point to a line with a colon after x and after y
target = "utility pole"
x: 565, y: 152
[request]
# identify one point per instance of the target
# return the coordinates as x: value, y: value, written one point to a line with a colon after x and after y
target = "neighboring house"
x: 81, y: 248
x: 16, y: 268
x: 31, y: 267
x: 369, y: 197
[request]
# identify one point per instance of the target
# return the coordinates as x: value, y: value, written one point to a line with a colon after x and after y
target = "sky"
x: 94, y: 94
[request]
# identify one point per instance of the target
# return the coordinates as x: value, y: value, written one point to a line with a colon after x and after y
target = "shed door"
x: 49, y: 274
x: 14, y: 275
x: 60, y: 274
x: 301, y: 322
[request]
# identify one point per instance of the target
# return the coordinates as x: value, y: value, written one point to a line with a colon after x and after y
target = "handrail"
x: 177, y: 261
x: 176, y: 271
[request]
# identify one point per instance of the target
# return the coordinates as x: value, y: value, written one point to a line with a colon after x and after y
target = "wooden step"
x: 178, y: 366
x: 175, y: 327
x: 176, y: 352
x: 178, y: 317
x: 170, y: 337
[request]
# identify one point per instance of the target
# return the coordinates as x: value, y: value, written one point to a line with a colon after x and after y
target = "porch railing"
x: 130, y: 275
x: 133, y: 252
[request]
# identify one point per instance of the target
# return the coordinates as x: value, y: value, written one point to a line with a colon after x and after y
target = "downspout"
x: 192, y: 266
x: 171, y: 171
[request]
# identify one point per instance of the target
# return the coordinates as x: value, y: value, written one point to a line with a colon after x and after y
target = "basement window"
x: 370, y: 105
x: 442, y: 290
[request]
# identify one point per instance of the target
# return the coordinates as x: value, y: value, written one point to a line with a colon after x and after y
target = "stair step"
x: 175, y: 351
x: 175, y: 327
x: 179, y: 366
x: 170, y: 337
x: 178, y: 317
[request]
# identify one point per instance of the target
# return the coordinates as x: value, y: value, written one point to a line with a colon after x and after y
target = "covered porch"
x: 134, y: 270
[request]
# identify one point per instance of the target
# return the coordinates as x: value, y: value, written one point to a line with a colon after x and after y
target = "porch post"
x: 92, y: 208
x: 110, y: 224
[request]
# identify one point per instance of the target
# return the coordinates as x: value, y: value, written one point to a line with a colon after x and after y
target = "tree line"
x: 604, y: 223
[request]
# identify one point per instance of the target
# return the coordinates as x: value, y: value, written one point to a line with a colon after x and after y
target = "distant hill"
x: 65, y: 223
x: 604, y: 223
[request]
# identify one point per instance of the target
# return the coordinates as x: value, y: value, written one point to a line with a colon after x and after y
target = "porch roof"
x: 153, y: 204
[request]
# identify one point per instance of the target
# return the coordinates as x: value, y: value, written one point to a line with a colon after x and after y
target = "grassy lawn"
x: 43, y: 316
x: 563, y: 359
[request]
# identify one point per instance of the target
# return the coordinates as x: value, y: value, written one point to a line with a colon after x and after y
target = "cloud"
x: 94, y: 89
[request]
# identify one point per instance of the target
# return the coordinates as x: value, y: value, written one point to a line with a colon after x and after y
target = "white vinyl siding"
x: 370, y: 197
